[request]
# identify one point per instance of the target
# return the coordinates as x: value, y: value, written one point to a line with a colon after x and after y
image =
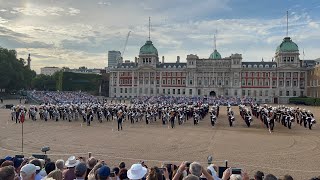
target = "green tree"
x: 14, y: 75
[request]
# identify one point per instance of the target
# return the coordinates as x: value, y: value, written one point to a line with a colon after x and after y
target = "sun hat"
x: 29, y: 169
x: 72, y: 162
x: 137, y: 171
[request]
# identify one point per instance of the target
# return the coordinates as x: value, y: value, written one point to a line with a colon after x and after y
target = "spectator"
x: 60, y: 164
x: 103, y: 173
x: 71, y: 163
x: 50, y: 166
x: 123, y: 174
x: 116, y: 171
x: 56, y: 174
x: 287, y: 177
x: 122, y: 165
x: 80, y: 171
x: 228, y: 174
x: 93, y: 173
x: 270, y: 177
x: 90, y: 164
x: 154, y: 174
x: 28, y: 172
x: 37, y: 162
x: 258, y: 175
x: 191, y: 177
x: 7, y: 173
x: 137, y: 171
x: 195, y: 169
x: 7, y: 163
x: 235, y: 177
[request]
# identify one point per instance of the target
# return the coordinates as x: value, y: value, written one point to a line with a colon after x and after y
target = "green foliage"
x: 68, y: 81
x: 14, y: 75
x: 305, y: 101
x: 44, y: 83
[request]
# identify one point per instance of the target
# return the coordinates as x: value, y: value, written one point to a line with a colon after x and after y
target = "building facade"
x: 313, y: 84
x: 114, y: 57
x: 272, y: 81
x: 49, y: 71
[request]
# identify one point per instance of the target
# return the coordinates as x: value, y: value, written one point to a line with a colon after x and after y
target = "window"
x: 183, y: 82
x: 199, y: 81
x: 178, y: 91
x: 255, y: 66
x: 190, y: 91
x: 236, y: 82
x: 284, y: 59
x: 151, y: 91
x: 294, y: 93
x: 260, y: 93
x: 183, y: 91
x: 115, y: 90
x: 249, y: 82
x: 287, y: 83
x: 173, y: 81
x: 120, y: 90
x: 146, y: 90
x: 295, y: 83
x: 125, y: 90
x: 243, y: 92
x: 243, y: 82
x: 199, y: 92
x: 158, y: 81
x: 266, y: 93
x: 168, y: 91
x: 178, y: 81
x: 163, y: 91
x: 280, y: 83
x: 173, y: 91
x: 169, y: 81
x: 227, y: 82
x: 280, y: 93
x: 249, y: 92
x: 235, y: 93
x: 163, y: 81
x: 274, y: 83
x: 190, y: 82
x: 287, y: 93
x: 292, y: 59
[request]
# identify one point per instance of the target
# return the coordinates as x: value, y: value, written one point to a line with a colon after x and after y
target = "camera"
x: 236, y: 171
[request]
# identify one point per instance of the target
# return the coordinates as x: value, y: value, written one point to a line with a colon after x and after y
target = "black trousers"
x: 172, y: 122
x: 119, y: 124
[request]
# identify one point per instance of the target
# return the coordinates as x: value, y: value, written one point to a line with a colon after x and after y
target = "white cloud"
x: 73, y: 11
x: 38, y: 11
x: 314, y: 24
x: 3, y: 10
x: 2, y: 21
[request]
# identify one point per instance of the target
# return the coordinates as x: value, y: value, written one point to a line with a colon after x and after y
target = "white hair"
x: 235, y: 177
x: 60, y: 164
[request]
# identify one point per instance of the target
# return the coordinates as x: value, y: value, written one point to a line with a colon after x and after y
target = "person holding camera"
x: 195, y: 169
x: 235, y: 174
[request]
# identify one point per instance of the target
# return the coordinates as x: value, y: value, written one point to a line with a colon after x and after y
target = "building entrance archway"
x: 212, y: 94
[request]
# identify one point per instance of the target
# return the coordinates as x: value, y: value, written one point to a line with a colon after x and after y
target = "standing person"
x: 172, y: 116
x: 120, y: 118
x: 1, y: 99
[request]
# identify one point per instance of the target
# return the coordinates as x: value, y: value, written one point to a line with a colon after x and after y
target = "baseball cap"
x: 104, y: 171
x: 29, y: 169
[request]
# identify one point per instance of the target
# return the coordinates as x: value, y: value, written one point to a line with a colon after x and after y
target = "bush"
x: 305, y: 101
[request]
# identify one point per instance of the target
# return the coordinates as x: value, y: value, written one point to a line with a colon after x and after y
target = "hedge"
x: 309, y: 101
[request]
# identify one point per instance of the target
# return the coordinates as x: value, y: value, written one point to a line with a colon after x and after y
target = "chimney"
x: 135, y: 60
x: 162, y: 59
x: 178, y: 59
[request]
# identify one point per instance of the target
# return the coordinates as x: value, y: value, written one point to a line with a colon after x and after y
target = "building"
x: 273, y: 81
x: 49, y: 71
x: 114, y: 57
x: 313, y: 84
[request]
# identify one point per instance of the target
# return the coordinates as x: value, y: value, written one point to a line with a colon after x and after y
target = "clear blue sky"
x: 80, y: 32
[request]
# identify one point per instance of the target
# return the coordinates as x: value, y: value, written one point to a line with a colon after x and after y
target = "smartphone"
x: 112, y: 174
x: 235, y: 171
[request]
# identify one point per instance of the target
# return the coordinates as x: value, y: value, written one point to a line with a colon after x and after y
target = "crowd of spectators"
x: 221, y: 100
x: 65, y: 97
x: 93, y: 169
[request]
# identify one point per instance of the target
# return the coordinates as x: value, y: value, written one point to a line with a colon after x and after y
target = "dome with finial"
x: 148, y: 49
x: 215, y: 55
x: 287, y: 45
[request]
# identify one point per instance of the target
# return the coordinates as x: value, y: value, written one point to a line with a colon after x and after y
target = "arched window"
x: 260, y: 66
x: 267, y: 66
x: 255, y: 66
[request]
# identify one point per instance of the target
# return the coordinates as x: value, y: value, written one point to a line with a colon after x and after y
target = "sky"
x: 74, y: 33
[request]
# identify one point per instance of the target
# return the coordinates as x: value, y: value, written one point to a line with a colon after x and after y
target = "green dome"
x: 287, y: 45
x: 148, y: 48
x: 215, y: 55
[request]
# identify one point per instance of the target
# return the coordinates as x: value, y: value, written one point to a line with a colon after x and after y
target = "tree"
x: 14, y: 75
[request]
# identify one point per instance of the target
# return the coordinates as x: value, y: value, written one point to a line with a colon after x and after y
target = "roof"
x: 171, y: 65
x: 215, y: 55
x: 258, y: 63
x: 127, y: 65
x: 287, y: 45
x: 148, y: 48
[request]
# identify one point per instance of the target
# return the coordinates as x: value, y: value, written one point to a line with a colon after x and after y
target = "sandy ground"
x: 295, y: 152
